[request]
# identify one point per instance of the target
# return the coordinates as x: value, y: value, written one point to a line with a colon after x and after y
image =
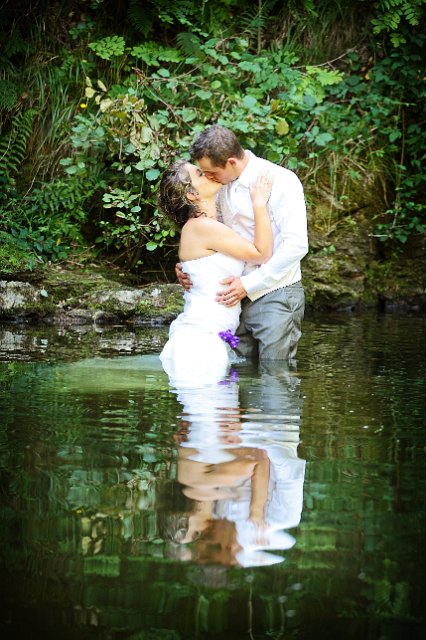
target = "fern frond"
x: 15, y: 44
x: 189, y: 44
x: 256, y: 16
x: 140, y: 17
x: 9, y: 93
x: 151, y: 53
x: 13, y: 145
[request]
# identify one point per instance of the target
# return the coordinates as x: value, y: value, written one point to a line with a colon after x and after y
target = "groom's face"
x: 223, y: 175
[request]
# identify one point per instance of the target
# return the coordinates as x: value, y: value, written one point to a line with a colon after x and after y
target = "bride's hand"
x: 261, y: 190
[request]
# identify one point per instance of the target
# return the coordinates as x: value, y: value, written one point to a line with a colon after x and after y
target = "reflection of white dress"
x: 194, y: 353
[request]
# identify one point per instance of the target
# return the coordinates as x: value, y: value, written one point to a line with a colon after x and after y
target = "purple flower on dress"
x: 229, y: 337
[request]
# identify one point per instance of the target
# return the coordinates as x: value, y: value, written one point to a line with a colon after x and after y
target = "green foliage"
x: 46, y: 222
x: 141, y: 17
x: 15, y: 258
x: 108, y: 47
x: 39, y: 244
x: 134, y: 131
x: 298, y: 116
x: 408, y: 216
x: 13, y: 144
x: 9, y: 93
x: 113, y: 109
x: 393, y: 15
x: 153, y: 54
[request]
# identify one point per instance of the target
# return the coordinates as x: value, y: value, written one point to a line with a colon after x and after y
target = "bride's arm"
x: 263, y: 239
x: 215, y: 236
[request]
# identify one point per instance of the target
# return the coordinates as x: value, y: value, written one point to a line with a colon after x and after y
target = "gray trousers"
x: 271, y: 326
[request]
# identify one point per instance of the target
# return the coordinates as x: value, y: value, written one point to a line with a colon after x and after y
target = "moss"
x: 144, y: 307
x: 398, y: 277
x: 14, y: 260
x: 170, y: 306
x: 42, y: 309
x: 70, y: 285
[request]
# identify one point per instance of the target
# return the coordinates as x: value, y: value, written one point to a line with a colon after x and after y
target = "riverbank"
x: 344, y: 271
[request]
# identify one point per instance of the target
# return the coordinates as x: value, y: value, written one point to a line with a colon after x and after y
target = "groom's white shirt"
x: 288, y: 214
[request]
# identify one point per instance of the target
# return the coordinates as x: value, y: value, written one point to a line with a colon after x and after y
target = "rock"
x: 87, y: 296
x: 335, y: 272
x: 20, y: 300
x: 346, y: 268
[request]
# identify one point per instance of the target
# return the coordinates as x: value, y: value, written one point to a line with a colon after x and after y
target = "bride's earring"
x: 192, y: 194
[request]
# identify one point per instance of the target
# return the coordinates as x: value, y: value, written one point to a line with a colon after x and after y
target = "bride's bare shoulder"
x: 202, y: 224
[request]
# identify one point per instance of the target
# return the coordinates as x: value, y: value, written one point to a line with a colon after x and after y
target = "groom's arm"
x: 182, y: 277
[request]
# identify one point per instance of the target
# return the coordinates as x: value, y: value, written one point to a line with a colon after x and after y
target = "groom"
x: 271, y: 295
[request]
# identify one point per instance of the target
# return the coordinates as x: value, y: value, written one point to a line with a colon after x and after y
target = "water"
x: 279, y: 504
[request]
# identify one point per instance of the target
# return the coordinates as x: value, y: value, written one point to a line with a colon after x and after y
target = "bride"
x: 198, y: 347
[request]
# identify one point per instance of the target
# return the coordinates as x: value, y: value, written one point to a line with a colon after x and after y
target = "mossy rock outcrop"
x: 350, y: 269
x: 345, y: 269
x: 88, y: 295
x: 335, y: 272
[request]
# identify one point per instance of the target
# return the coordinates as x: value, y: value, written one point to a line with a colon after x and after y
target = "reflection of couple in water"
x: 239, y: 470
x: 243, y: 234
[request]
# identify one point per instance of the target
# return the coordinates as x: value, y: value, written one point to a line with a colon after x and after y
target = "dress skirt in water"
x: 194, y: 353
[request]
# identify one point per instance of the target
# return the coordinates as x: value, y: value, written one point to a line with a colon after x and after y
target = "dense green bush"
x: 92, y: 110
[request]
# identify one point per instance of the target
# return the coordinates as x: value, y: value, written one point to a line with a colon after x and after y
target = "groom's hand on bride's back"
x: 183, y: 277
x: 233, y: 293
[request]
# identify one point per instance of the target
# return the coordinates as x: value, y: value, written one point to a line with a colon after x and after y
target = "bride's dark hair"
x: 172, y: 195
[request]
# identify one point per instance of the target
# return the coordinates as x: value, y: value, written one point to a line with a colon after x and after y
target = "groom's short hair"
x: 218, y: 144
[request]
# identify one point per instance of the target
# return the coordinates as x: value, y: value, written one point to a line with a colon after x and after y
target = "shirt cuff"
x: 252, y: 283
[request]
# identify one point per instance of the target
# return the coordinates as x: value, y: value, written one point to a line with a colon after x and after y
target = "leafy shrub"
x: 114, y: 109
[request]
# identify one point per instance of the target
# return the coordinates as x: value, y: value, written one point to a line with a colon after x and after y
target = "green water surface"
x: 281, y: 503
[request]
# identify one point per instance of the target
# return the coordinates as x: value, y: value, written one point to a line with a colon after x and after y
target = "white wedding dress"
x: 194, y: 353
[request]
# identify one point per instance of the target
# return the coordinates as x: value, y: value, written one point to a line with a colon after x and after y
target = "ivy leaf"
x: 188, y: 115
x: 152, y: 174
x: 273, y: 156
x: 151, y: 246
x: 309, y: 100
x: 282, y: 127
x: 323, y: 138
x: 324, y: 76
x: 249, y: 102
x: 155, y: 152
x: 104, y: 105
x: 203, y: 94
x: 145, y: 135
x: 394, y: 135
x: 242, y: 125
x: 249, y: 66
x: 165, y: 73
